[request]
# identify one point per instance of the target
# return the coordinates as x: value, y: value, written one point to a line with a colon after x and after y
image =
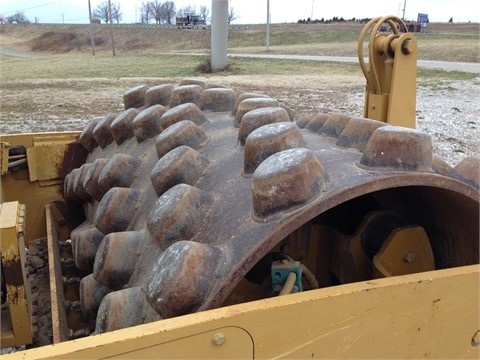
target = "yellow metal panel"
x: 377, y: 107
x: 34, y: 197
x: 17, y: 186
x: 222, y: 343
x: 3, y: 158
x: 43, y: 162
x: 7, y: 338
x: 45, y: 157
x: 406, y: 251
x: 28, y: 140
x: 45, y: 139
x: 13, y: 268
x: 433, y: 314
x: 403, y: 103
x: 57, y: 298
x: 391, y: 74
x: 8, y: 215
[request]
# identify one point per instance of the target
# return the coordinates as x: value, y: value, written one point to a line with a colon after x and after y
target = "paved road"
x: 429, y: 64
x: 10, y: 52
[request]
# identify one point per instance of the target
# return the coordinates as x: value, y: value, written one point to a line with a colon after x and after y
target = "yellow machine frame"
x: 391, y: 317
x: 17, y: 319
x: 40, y: 183
x: 391, y: 73
x: 374, y: 318
x: 31, y: 188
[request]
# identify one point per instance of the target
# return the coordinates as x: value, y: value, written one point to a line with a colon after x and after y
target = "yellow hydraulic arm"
x: 391, y: 71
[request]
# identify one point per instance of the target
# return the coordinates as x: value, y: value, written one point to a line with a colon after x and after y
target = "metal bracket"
x: 280, y: 271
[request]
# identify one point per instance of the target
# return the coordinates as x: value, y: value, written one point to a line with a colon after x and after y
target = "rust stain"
x: 13, y: 271
x: 74, y: 157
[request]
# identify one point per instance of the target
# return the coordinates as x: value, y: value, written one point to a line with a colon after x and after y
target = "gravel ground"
x: 449, y: 110
x: 450, y: 113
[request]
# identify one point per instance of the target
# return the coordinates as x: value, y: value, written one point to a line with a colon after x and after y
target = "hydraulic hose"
x: 289, y: 284
x: 396, y: 25
x: 311, y: 280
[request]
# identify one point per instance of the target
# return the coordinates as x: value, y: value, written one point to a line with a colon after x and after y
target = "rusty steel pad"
x: 182, y: 196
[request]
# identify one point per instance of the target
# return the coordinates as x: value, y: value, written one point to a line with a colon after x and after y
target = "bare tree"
x: 146, y: 12
x: 188, y: 10
x: 156, y: 9
x: 19, y: 17
x: 204, y: 13
x: 231, y: 15
x: 102, y: 12
x: 168, y: 12
x: 116, y: 13
x: 162, y: 13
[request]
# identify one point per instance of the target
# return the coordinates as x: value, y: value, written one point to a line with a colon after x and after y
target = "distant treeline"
x: 335, y: 19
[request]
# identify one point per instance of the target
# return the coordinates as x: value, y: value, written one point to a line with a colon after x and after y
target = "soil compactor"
x: 176, y: 227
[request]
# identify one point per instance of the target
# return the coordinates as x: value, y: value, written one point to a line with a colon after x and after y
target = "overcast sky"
x: 254, y: 11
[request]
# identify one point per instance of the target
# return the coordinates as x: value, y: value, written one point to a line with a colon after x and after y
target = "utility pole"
x: 92, y: 39
x: 267, y: 31
x: 63, y: 18
x: 404, y: 6
x: 219, y: 35
x: 313, y: 4
x: 111, y: 25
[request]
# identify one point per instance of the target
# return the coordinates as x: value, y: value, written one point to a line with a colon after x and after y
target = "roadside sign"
x: 422, y: 19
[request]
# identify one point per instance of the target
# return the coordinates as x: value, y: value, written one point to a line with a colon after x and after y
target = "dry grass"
x: 448, y: 42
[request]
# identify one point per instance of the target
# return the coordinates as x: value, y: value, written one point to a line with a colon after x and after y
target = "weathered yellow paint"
x: 391, y: 74
x: 376, y: 106
x: 46, y: 154
x: 18, y: 331
x: 432, y: 314
x: 7, y: 338
x: 57, y: 298
x: 43, y: 162
x: 222, y: 343
x: 3, y: 158
x: 40, y: 183
x: 402, y: 105
x: 406, y: 251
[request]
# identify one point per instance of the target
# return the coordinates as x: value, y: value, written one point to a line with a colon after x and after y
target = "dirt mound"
x: 62, y: 42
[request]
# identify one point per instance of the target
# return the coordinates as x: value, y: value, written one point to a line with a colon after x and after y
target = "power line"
x: 33, y: 7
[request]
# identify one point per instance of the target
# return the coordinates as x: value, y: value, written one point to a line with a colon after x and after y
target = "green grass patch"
x: 165, y: 66
x: 238, y: 39
x: 174, y: 66
x: 99, y: 66
x: 432, y: 77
